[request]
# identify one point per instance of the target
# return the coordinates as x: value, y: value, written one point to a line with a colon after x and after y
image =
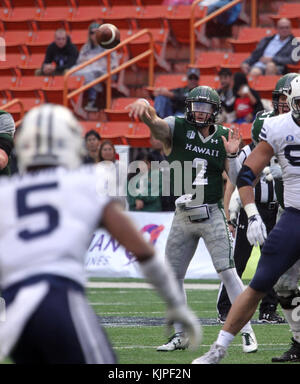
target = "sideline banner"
x: 107, y: 258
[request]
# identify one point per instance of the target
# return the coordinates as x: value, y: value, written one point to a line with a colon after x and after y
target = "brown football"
x: 108, y: 36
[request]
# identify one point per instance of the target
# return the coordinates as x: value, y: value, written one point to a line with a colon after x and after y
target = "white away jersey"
x: 283, y: 134
x: 46, y: 222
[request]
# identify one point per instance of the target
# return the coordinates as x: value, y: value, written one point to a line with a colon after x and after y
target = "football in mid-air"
x: 108, y: 36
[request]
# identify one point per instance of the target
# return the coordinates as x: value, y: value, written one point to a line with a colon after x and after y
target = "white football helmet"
x: 293, y: 96
x: 50, y: 135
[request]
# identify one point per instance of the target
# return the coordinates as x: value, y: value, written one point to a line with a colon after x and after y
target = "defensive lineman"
x: 280, y: 137
x: 198, y: 139
x: 47, y: 217
x: 267, y: 205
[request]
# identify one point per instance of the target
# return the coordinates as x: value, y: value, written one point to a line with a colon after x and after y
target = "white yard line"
x: 104, y: 284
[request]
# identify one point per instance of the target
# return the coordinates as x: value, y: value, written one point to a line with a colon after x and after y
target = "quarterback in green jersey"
x: 7, y: 131
x: 210, y: 148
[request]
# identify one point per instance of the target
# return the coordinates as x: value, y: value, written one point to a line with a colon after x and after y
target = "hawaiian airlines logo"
x: 154, y: 231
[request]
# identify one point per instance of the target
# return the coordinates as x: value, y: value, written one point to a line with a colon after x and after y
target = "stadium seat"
x: 152, y: 16
x: 115, y: 131
x: 160, y: 38
x: 12, y: 61
x: 54, y: 89
x: 29, y: 87
x: 91, y: 125
x: 117, y: 111
x: 138, y: 135
x: 249, y: 37
x: 118, y: 15
x: 210, y: 62
x: 265, y: 85
x: 31, y: 64
x: 289, y: 11
x: 233, y: 61
x: 169, y: 81
x: 179, y: 21
x: 245, y: 131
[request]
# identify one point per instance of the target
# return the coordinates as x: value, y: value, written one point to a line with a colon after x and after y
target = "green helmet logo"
x: 205, y: 101
x: 281, y: 87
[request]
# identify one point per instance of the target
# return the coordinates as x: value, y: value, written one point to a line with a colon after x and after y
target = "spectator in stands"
x: 226, y: 95
x: 144, y: 187
x: 61, y: 55
x: 92, y: 143
x: 172, y: 102
x: 272, y: 53
x: 89, y: 50
x: 107, y: 151
x: 247, y: 100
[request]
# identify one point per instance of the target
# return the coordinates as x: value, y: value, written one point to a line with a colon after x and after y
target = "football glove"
x: 256, y: 231
x: 191, y: 326
x: 272, y: 172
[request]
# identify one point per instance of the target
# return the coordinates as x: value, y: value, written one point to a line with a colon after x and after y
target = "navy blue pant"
x: 63, y: 329
x: 280, y: 251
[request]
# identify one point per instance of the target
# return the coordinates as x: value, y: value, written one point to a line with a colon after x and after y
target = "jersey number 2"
x: 23, y: 209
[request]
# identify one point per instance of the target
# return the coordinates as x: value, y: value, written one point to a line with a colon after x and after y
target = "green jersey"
x: 190, y: 146
x: 258, y: 124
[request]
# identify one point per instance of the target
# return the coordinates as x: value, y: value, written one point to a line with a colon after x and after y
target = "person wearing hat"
x: 89, y: 50
x: 226, y: 95
x: 172, y: 102
x: 60, y: 56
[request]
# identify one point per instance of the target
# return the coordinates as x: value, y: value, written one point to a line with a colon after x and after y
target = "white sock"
x: 178, y: 326
x: 224, y: 339
x: 294, y: 325
x: 234, y: 287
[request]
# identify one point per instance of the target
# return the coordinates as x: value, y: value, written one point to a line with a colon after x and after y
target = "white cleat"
x: 177, y: 341
x: 249, y: 342
x: 213, y: 356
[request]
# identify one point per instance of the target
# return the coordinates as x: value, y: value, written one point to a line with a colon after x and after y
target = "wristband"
x: 145, y: 100
x: 231, y: 155
x: 251, y: 210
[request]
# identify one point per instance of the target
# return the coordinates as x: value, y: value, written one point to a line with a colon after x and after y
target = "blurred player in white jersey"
x: 280, y: 136
x: 47, y: 217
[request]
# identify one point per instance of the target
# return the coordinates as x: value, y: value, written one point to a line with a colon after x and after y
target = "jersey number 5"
x: 23, y: 209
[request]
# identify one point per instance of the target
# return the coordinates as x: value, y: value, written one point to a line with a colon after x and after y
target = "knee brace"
x: 287, y: 299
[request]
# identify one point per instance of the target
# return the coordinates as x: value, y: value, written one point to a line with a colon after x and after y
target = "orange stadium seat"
x: 115, y: 131
x: 89, y: 125
x: 249, y: 37
x: 31, y: 64
x: 12, y: 61
x: 233, y: 61
x: 138, y: 46
x: 29, y: 86
x: 54, y: 89
x: 138, y: 135
x: 210, y: 62
x: 117, y: 111
x: 245, y: 131
x: 265, y: 85
x: 179, y: 21
x: 118, y: 15
x: 290, y: 11
x: 152, y: 16
x: 169, y: 81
